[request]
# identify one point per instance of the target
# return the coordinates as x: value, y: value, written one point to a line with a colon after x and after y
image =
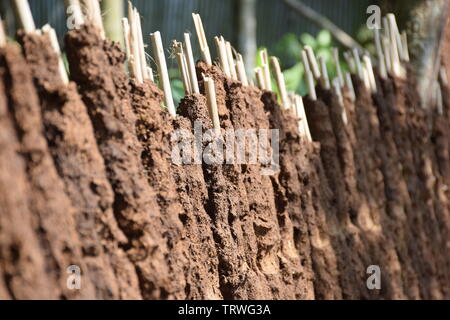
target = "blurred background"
x: 281, y: 26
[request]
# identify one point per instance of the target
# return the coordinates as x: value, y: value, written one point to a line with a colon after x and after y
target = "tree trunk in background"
x: 425, y: 22
x: 246, y: 32
x: 113, y: 11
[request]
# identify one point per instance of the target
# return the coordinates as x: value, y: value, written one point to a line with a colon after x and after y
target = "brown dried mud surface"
x: 89, y: 178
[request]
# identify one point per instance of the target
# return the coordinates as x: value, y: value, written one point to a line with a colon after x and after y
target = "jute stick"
x: 150, y: 74
x: 387, y: 31
x: 366, y: 79
x: 280, y: 83
x: 302, y: 114
x: 140, y: 37
x: 338, y: 91
x: 297, y: 112
x: 369, y: 68
x: 396, y: 67
x: 260, y: 82
x: 313, y: 62
x: 439, y: 99
x: 126, y: 36
x: 405, y: 46
x: 357, y: 58
x: 350, y: 62
x: 51, y: 33
x: 387, y: 53
x: 158, y: 51
x: 24, y: 15
x: 222, y: 53
x: 266, y: 70
x: 204, y: 49
x: 98, y: 17
x: 443, y: 76
x: 397, y: 36
x: 349, y: 85
x: 2, y: 34
x: 240, y: 66
x: 182, y: 65
x: 74, y: 9
x: 190, y: 63
x: 338, y: 66
x: 380, y: 55
x: 212, y: 102
x: 309, y: 78
x: 134, y: 45
x: 230, y: 59
x: 324, y: 79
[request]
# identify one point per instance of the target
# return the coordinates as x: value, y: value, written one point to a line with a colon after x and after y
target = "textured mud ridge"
x: 87, y: 178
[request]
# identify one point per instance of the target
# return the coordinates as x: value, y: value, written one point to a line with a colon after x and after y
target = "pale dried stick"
x: 51, y: 33
x: 140, y: 37
x: 405, y: 46
x: 366, y: 79
x: 313, y: 62
x: 134, y: 45
x: 190, y: 63
x: 302, y: 114
x: 204, y: 49
x: 24, y: 15
x: 325, y: 80
x: 73, y: 8
x: 265, y: 69
x: 182, y: 66
x: 357, y: 58
x: 260, y: 82
x: 2, y: 34
x: 349, y: 85
x: 240, y: 66
x: 396, y: 67
x: 338, y: 66
x: 212, y: 102
x: 280, y: 83
x: 387, y: 53
x: 381, y: 60
x: 230, y: 59
x: 309, y: 78
x: 222, y: 53
x: 158, y: 51
x: 371, y: 75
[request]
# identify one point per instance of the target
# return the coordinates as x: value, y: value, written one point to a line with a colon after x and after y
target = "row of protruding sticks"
x: 391, y: 48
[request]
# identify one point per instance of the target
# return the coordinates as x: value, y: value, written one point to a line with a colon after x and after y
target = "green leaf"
x: 308, y: 40
x: 324, y: 38
x: 293, y: 77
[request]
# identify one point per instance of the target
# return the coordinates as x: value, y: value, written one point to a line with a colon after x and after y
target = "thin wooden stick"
x: 182, y: 65
x: 405, y: 46
x: 260, y: 82
x: 357, y: 58
x: 349, y: 85
x: 222, y: 53
x: 381, y: 60
x: 439, y: 99
x: 324, y: 79
x: 280, y: 83
x: 190, y: 63
x: 366, y: 79
x: 240, y: 66
x: 313, y: 62
x: 443, y: 76
x: 371, y: 75
x: 297, y: 112
x: 230, y: 59
x: 98, y: 17
x: 24, y: 15
x: 134, y: 45
x: 387, y: 31
x: 397, y: 36
x: 74, y: 9
x: 396, y: 68
x: 338, y: 66
x: 309, y: 78
x: 212, y: 102
x: 204, y: 49
x: 2, y: 34
x: 158, y: 51
x: 141, y: 48
x: 51, y: 33
x: 150, y: 74
x: 302, y: 114
x: 387, y: 53
x: 337, y: 90
x: 126, y: 36
x: 350, y: 62
x: 266, y: 70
